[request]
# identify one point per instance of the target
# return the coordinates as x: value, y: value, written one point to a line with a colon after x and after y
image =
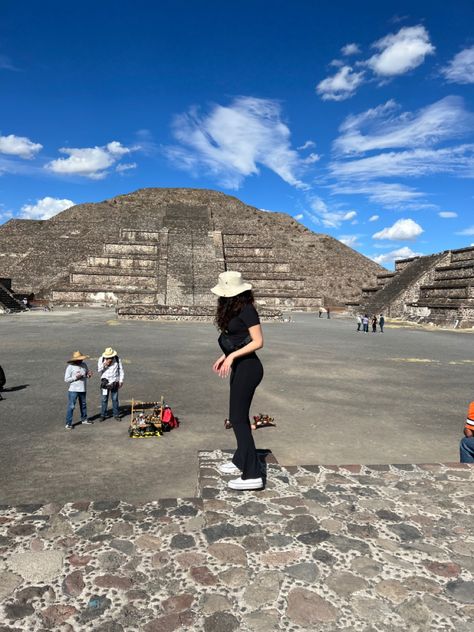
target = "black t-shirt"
x: 238, y: 327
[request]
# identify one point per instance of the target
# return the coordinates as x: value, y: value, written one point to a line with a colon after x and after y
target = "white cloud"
x: 461, y: 68
x: 466, y: 231
x: 401, y: 52
x: 388, y: 258
x: 457, y: 160
x: 403, y: 229
x: 390, y: 195
x: 19, y: 146
x: 321, y: 214
x: 378, y: 128
x: 88, y: 162
x: 299, y: 217
x: 447, y: 214
x: 374, y: 218
x: 350, y: 49
x: 125, y: 166
x: 307, y: 145
x: 350, y: 240
x: 340, y: 86
x: 45, y: 208
x: 231, y: 142
x: 311, y: 159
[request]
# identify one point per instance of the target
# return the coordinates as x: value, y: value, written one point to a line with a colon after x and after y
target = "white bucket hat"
x: 230, y: 283
x: 109, y: 353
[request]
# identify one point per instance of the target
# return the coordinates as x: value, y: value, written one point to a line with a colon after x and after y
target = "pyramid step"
x: 270, y: 267
x: 130, y: 248
x: 96, y: 296
x: 125, y: 281
x: 131, y: 234
x: 123, y: 260
x: 245, y: 252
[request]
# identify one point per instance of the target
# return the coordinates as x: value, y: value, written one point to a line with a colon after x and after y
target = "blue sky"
x: 355, y: 118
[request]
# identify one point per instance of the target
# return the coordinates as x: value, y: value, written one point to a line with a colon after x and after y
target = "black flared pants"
x: 247, y: 373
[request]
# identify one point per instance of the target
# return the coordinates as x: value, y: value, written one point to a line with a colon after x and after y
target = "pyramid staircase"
x: 168, y: 273
x: 450, y: 296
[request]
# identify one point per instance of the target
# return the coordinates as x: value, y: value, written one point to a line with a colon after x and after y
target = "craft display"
x: 259, y: 421
x: 150, y: 419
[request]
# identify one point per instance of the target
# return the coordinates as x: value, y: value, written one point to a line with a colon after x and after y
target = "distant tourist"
x: 77, y: 374
x: 359, y: 322
x: 111, y: 379
x: 320, y: 313
x: 381, y: 322
x: 466, y: 447
x: 328, y: 312
x: 241, y: 335
x: 2, y: 381
x: 365, y: 323
x: 374, y: 324
x: 24, y: 300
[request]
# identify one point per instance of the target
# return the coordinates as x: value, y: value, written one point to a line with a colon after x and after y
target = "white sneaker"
x: 248, y: 483
x: 228, y: 468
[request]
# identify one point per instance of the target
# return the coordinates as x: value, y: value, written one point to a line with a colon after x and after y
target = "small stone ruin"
x: 436, y: 289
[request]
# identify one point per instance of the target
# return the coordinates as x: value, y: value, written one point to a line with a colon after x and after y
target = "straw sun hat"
x: 77, y: 356
x: 109, y: 353
x: 230, y: 283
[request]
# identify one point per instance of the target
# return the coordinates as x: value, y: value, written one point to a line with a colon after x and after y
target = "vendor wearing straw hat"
x: 241, y: 335
x: 77, y: 374
x: 111, y: 373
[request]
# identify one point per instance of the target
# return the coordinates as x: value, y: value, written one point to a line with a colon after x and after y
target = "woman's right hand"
x: 217, y: 364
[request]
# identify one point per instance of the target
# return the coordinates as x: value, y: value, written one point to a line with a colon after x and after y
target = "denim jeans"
x: 72, y: 397
x: 466, y: 449
x: 115, y: 403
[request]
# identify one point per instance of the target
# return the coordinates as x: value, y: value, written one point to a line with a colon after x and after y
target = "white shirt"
x: 76, y: 377
x: 114, y: 372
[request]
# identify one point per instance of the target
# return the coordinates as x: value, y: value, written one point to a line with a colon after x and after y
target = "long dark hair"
x: 230, y: 306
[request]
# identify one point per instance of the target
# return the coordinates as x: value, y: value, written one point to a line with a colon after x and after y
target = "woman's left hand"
x: 226, y: 366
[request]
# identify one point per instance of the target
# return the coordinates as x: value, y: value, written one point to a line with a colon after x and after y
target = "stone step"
x: 96, y: 296
x: 270, y: 286
x: 112, y: 281
x: 270, y: 267
x: 127, y: 262
x: 456, y: 275
x: 113, y: 271
x: 299, y: 303
x: 244, y: 252
x: 438, y: 292
x: 131, y: 234
x: 245, y: 239
x: 130, y: 248
x: 443, y: 303
x: 199, y: 312
x: 235, y: 262
x: 464, y: 254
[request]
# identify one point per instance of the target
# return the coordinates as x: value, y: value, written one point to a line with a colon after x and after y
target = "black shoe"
x: 102, y: 419
x: 118, y: 418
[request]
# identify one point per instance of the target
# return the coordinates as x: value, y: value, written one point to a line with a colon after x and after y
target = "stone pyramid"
x: 160, y: 250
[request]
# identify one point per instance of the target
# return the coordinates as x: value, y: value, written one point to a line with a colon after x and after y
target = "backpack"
x: 168, y: 420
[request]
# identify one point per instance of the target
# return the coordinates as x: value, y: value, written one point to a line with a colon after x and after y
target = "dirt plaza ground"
x: 338, y: 397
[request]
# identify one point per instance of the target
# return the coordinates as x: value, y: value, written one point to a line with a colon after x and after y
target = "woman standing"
x: 374, y: 324
x: 241, y: 335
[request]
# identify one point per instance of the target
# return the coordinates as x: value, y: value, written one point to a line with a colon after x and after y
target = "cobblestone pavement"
x: 369, y: 548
